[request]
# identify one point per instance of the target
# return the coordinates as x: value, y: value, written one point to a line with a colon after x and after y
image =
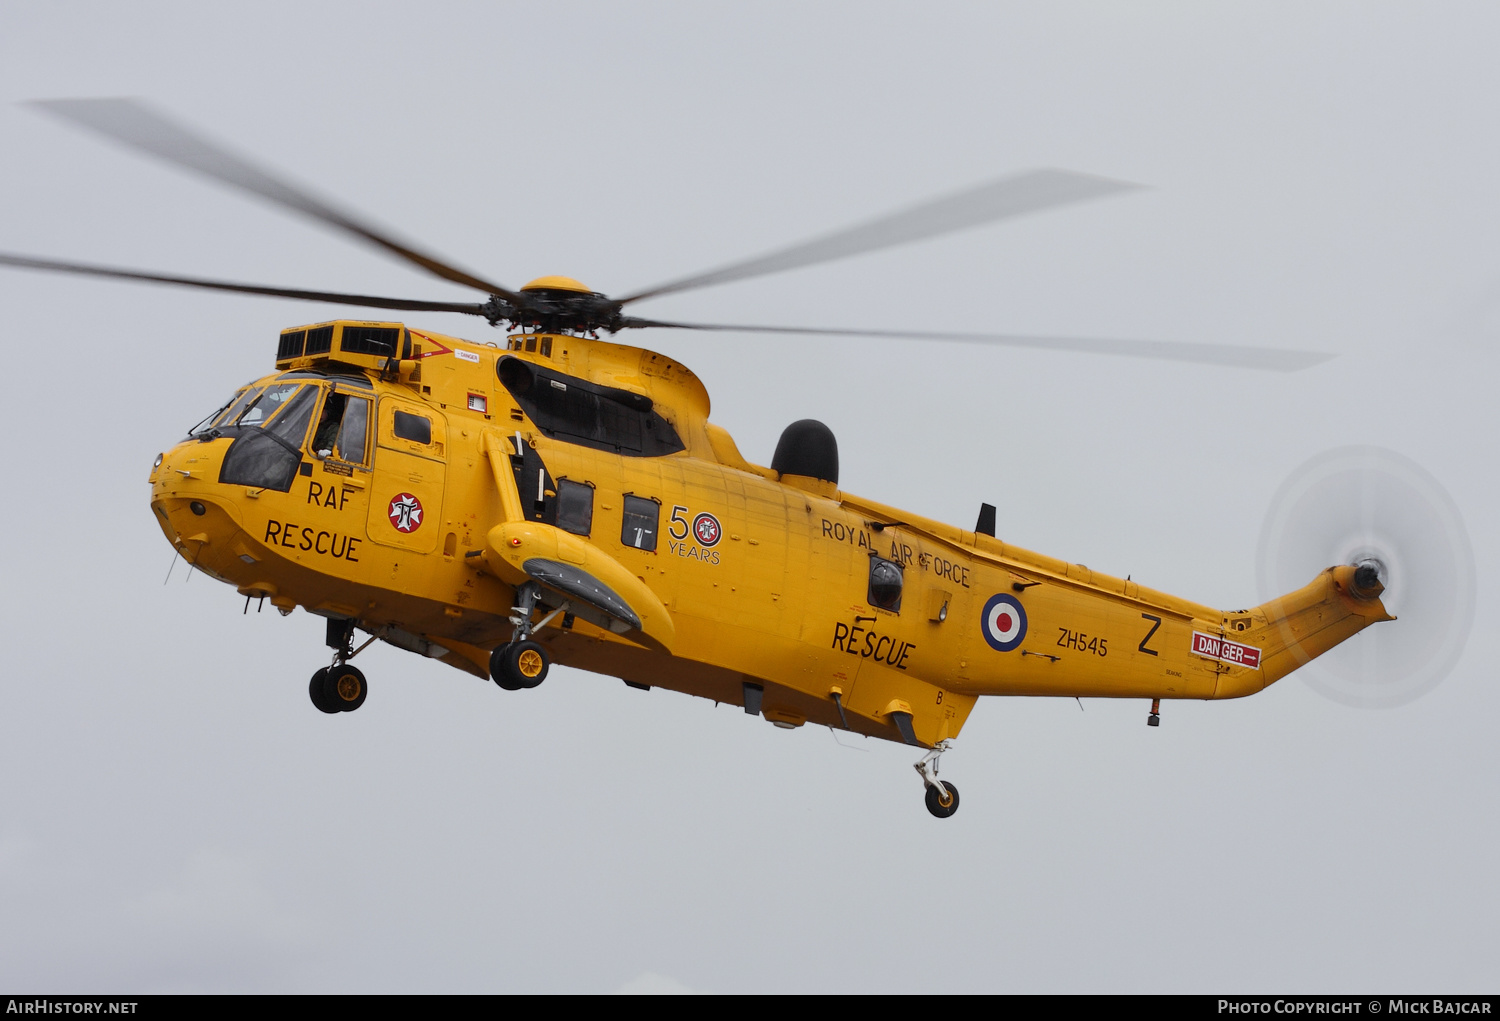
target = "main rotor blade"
x: 1009, y: 197
x: 332, y: 297
x: 1268, y: 358
x: 136, y: 125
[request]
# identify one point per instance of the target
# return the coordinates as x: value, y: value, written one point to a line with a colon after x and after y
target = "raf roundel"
x: 405, y: 512
x: 1004, y: 622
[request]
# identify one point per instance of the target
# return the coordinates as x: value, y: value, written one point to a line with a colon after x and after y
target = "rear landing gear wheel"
x: 942, y: 799
x: 317, y: 690
x: 346, y: 688
x: 518, y: 665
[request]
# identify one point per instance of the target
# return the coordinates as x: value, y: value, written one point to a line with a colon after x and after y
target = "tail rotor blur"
x: 1385, y: 515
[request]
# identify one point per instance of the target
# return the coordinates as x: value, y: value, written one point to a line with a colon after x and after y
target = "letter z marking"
x: 1156, y: 624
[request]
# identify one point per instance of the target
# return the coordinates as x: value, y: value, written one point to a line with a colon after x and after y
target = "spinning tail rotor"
x: 1384, y: 515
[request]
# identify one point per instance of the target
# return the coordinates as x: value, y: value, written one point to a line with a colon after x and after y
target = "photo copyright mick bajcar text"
x: 1401, y: 1005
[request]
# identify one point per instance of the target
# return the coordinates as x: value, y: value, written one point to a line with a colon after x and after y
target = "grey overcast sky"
x: 175, y: 816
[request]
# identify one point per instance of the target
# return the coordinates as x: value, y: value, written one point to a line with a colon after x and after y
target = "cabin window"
x: 575, y: 507
x: 885, y: 584
x: 412, y: 427
x: 639, y: 522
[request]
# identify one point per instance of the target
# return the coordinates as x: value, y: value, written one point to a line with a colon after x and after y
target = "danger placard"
x: 1226, y: 651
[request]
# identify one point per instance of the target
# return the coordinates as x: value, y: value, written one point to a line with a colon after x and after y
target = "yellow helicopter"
x: 565, y: 498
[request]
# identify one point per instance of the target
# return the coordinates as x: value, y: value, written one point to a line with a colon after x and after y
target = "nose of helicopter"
x: 199, y: 517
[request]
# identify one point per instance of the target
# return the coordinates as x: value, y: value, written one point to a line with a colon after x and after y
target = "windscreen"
x: 268, y: 457
x: 269, y: 401
x: 228, y: 410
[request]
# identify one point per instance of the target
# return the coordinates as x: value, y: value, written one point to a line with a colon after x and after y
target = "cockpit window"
x: 328, y: 424
x: 250, y: 406
x: 267, y: 458
x: 237, y: 403
x: 267, y: 404
x: 227, y: 411
x: 291, y: 424
x: 342, y: 428
x: 352, y: 434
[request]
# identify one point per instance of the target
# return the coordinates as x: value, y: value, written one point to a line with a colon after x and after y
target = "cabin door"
x: 406, y: 498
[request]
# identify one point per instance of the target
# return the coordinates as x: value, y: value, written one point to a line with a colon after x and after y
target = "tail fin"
x: 1296, y: 628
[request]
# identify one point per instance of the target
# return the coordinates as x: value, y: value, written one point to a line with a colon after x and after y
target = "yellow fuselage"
x: 754, y: 579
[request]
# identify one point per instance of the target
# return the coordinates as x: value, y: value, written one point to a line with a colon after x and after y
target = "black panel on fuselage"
x: 576, y: 411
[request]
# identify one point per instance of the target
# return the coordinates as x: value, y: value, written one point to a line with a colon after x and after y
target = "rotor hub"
x: 555, y: 304
x: 556, y: 283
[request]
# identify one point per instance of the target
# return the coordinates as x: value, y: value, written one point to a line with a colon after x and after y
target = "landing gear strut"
x: 521, y: 662
x: 942, y: 797
x: 340, y: 688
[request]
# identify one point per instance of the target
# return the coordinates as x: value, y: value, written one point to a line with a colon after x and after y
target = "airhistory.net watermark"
x: 42, y: 1005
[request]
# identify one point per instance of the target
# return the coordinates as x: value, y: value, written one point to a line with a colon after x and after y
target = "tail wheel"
x: 519, y: 665
x: 346, y: 688
x: 942, y: 799
x: 317, y: 690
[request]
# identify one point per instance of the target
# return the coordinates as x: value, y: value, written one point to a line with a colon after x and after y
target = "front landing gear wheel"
x: 317, y: 690
x: 346, y: 688
x: 519, y: 665
x: 942, y: 799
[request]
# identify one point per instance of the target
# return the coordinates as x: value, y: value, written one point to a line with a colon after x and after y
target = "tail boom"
x: 1296, y: 628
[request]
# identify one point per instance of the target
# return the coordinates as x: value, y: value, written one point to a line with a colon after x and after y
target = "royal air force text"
x: 900, y: 552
